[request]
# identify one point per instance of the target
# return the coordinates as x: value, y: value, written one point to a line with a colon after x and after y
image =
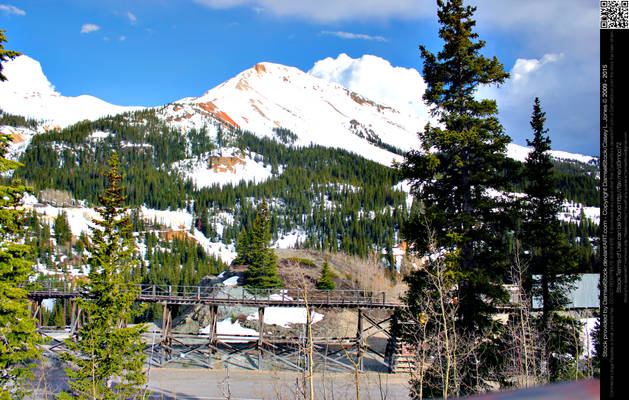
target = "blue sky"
x: 151, y: 52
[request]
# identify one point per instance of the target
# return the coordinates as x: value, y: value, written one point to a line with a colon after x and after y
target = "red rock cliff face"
x: 226, y: 164
x: 211, y: 108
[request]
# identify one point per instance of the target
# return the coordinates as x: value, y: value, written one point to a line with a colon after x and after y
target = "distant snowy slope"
x: 520, y: 153
x: 28, y: 92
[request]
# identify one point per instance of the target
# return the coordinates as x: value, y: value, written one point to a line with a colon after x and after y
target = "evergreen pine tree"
x: 242, y: 248
x: 326, y: 282
x: 459, y: 163
x: 5, y: 55
x: 551, y: 259
x: 107, y: 356
x: 57, y: 316
x: 63, y: 234
x: 18, y: 338
x: 452, y: 173
x: 262, y: 271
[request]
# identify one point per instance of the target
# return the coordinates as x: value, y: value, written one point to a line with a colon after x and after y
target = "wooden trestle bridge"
x: 208, y: 347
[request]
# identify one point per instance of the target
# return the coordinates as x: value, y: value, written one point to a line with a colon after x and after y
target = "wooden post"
x: 359, y: 338
x: 37, y: 313
x: 260, y: 335
x: 74, y: 320
x: 212, y: 336
x: 166, y: 333
x: 65, y: 311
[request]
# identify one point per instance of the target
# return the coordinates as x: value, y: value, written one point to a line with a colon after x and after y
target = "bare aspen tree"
x: 443, y: 349
x: 522, y: 334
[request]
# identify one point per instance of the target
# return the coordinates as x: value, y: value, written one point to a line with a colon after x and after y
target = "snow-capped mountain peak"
x: 28, y: 92
x: 269, y: 96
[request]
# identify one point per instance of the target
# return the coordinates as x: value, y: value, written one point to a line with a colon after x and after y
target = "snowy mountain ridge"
x: 260, y: 99
x: 28, y: 92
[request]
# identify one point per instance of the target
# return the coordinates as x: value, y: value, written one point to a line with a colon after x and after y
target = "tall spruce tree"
x: 458, y: 163
x: 18, y: 338
x: 107, y: 356
x: 552, y: 262
x: 262, y: 271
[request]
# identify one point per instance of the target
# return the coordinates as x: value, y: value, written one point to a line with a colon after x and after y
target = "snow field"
x: 247, y: 169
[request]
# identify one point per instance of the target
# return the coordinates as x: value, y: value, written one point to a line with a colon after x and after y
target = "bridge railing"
x: 289, y: 295
x: 222, y: 293
x: 54, y: 287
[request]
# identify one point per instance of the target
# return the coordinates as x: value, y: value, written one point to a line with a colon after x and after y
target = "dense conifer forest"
x: 340, y: 200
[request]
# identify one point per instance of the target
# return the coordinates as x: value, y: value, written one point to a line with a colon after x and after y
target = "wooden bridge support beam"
x: 260, y: 335
x: 213, y: 334
x: 359, y: 340
x: 37, y: 313
x: 166, y: 342
x: 75, y: 317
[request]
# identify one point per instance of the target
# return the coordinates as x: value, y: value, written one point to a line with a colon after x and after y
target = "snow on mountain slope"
x: 20, y: 139
x: 520, y: 153
x: 270, y: 96
x: 28, y: 92
x: 229, y: 166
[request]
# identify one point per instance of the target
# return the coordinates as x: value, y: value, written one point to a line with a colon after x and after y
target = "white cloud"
x: 332, y: 10
x: 524, y: 69
x: 376, y: 79
x: 9, y: 9
x: 349, y: 35
x: 566, y: 94
x: 542, y: 26
x: 88, y: 28
x: 132, y: 18
x: 123, y: 38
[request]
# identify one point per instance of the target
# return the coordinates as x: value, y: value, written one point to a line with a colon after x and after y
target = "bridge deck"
x: 221, y: 296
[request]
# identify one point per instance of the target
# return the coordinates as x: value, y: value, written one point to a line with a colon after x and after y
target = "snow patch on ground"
x: 179, y: 219
x: 233, y: 281
x: 99, y: 135
x: 571, y: 212
x: 227, y: 327
x: 245, y: 168
x: 21, y: 139
x: 227, y: 253
x: 81, y: 220
x: 288, y: 240
x: 285, y: 317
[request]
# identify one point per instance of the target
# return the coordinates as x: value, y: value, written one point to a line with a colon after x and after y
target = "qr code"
x: 614, y: 14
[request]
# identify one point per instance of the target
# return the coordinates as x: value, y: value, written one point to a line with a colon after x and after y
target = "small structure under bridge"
x: 209, y: 349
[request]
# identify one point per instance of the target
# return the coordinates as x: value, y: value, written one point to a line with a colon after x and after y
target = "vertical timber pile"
x: 260, y: 335
x: 37, y: 313
x: 166, y: 334
x: 213, y: 334
x: 359, y: 339
x: 75, y: 317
